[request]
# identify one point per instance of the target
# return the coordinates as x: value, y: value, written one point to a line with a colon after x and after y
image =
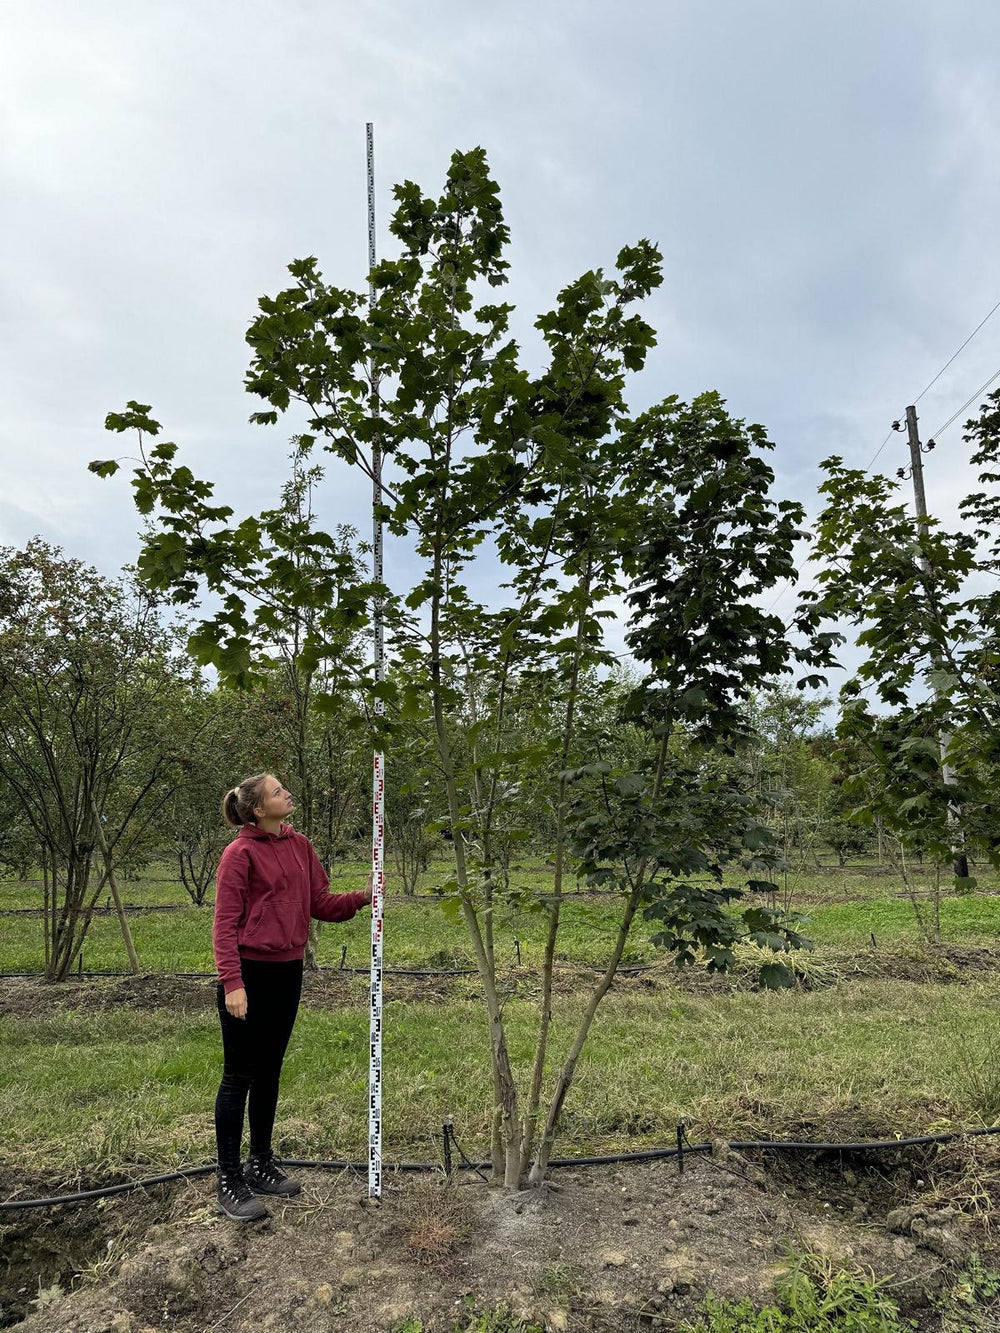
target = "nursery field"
x: 884, y: 1033
x: 112, y: 1077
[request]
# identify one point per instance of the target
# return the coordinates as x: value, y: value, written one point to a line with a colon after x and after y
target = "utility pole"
x: 960, y: 863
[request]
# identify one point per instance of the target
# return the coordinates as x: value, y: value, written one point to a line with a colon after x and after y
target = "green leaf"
x: 776, y: 976
x: 106, y: 468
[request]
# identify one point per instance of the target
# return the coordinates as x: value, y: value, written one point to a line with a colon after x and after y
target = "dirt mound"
x: 938, y: 963
x: 45, y: 1251
x: 32, y: 997
x: 607, y: 1249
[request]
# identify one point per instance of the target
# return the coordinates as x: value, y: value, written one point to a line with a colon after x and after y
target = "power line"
x: 953, y: 357
x: 881, y: 447
x: 941, y: 429
x: 961, y: 349
x: 968, y: 403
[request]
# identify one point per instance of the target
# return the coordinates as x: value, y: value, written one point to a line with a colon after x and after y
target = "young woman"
x: 269, y: 883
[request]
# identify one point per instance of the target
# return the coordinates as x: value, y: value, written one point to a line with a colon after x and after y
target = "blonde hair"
x: 239, y: 804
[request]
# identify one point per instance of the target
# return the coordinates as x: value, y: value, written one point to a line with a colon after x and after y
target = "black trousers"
x: 253, y: 1049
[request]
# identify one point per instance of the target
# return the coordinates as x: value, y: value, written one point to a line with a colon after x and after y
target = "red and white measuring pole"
x: 378, y: 773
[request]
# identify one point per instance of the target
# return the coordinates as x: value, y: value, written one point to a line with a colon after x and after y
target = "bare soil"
x: 938, y: 963
x: 605, y: 1249
x: 31, y: 997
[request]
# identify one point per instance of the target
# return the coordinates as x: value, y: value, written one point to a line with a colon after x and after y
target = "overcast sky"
x: 821, y: 178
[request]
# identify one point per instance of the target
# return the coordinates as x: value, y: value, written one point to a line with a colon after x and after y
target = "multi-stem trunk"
x: 541, y: 1163
x: 70, y: 931
x: 45, y: 910
x: 505, y: 1090
x: 564, y: 1081
x: 484, y: 809
x: 927, y: 933
x: 109, y: 872
x: 545, y: 1013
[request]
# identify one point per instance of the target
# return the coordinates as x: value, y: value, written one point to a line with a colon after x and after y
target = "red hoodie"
x: 267, y: 887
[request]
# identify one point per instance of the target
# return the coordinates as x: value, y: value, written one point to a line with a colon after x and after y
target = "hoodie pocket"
x: 278, y: 926
x: 250, y: 927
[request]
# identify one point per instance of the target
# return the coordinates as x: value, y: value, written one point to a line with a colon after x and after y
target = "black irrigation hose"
x: 329, y: 967
x: 653, y: 1154
x: 917, y: 1141
x: 108, y: 911
x: 81, y: 1196
x: 326, y: 967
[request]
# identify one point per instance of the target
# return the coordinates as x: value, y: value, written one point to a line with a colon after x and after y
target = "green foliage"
x: 262, y: 569
x: 972, y: 1303
x: 712, y: 539
x: 814, y: 1297
x: 497, y: 1319
x: 928, y: 770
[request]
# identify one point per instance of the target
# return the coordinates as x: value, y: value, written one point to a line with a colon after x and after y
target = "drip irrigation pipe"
x: 328, y: 967
x: 612, y: 1159
x: 111, y: 911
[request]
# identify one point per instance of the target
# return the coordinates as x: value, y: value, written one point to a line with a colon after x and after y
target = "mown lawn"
x: 418, y: 933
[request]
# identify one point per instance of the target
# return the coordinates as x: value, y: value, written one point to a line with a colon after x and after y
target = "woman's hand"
x: 368, y: 887
x: 236, y: 1003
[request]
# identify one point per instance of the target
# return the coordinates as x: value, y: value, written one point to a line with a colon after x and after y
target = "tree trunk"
x: 45, y: 908
x: 187, y: 874
x: 565, y: 1079
x: 541, y: 1163
x: 70, y: 931
x: 209, y: 865
x: 109, y: 871
x: 545, y: 1015
x: 504, y: 1086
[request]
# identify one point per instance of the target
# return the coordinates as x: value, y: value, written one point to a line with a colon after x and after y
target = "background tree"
x: 214, y: 758
x: 929, y: 634
x: 18, y: 843
x: 790, y: 762
x: 90, y: 685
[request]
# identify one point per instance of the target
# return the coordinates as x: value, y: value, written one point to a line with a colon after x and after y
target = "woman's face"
x: 274, y: 802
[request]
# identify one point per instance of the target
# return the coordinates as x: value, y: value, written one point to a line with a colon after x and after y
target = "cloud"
x: 820, y: 179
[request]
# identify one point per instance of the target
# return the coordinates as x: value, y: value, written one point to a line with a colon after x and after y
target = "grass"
x: 814, y: 1296
x: 95, y: 1091
x: 419, y: 935
x: 496, y: 1320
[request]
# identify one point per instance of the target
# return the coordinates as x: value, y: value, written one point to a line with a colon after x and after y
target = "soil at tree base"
x: 615, y: 1249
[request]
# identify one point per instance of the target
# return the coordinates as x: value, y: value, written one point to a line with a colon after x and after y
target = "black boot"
x: 236, y: 1199
x: 264, y: 1177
